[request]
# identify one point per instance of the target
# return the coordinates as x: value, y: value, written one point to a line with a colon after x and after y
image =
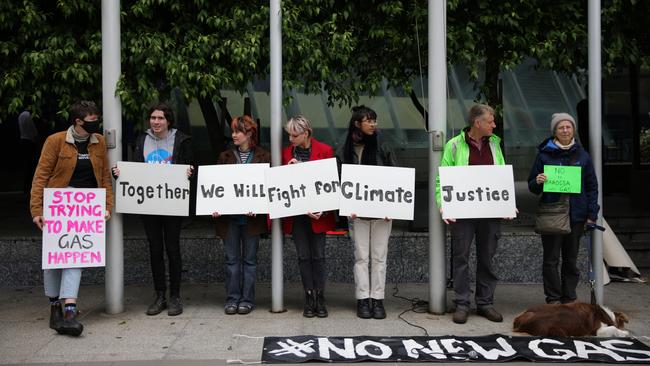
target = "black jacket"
x: 182, y: 149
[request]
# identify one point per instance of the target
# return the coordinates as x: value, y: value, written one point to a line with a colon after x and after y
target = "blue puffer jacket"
x: 583, y: 205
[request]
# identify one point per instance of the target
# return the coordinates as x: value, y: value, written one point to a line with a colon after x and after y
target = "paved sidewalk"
x: 205, y: 335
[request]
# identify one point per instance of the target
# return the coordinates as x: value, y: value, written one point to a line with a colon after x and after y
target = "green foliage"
x: 49, y: 55
x: 199, y: 47
x: 486, y: 36
x: 50, y: 51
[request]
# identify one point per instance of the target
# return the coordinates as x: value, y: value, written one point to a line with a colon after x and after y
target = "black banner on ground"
x: 492, y: 348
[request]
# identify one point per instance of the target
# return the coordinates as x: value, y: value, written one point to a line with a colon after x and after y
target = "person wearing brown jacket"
x: 241, y: 233
x: 74, y: 158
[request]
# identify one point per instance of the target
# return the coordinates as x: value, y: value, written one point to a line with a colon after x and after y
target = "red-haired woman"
x: 241, y: 233
x: 308, y: 230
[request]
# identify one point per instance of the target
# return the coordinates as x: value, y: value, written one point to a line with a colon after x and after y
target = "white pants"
x: 370, y: 244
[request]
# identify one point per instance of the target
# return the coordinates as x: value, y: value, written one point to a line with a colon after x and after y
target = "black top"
x: 301, y: 154
x: 83, y: 175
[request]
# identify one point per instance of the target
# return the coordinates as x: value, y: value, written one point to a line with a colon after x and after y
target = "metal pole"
x: 277, y: 284
x: 111, y: 70
x: 437, y: 89
x: 595, y: 138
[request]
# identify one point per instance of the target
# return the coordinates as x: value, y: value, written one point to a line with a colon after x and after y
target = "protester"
x: 309, y: 230
x: 74, y: 158
x: 363, y: 145
x: 475, y: 145
x: 162, y: 144
x: 241, y: 233
x: 563, y: 149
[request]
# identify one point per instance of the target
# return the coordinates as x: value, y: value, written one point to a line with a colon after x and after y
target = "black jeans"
x: 311, y: 253
x: 562, y: 286
x: 487, y: 233
x: 163, y: 233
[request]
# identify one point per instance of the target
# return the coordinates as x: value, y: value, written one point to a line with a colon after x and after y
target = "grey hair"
x: 477, y: 111
x: 299, y: 124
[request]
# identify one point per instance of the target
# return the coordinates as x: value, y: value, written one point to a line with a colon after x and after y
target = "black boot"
x: 158, y: 305
x: 378, y: 311
x: 70, y: 325
x: 321, y: 310
x: 56, y: 315
x: 363, y: 308
x: 175, y: 306
x: 308, y: 312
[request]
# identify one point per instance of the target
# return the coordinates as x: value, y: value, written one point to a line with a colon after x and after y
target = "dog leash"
x: 589, y: 228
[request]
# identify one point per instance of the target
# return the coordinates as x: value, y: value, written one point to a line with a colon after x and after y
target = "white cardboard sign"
x: 377, y: 191
x: 231, y: 189
x: 303, y: 187
x: 152, y: 189
x: 74, y: 229
x: 477, y: 191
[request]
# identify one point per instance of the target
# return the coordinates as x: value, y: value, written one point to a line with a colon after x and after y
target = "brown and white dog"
x: 575, y: 319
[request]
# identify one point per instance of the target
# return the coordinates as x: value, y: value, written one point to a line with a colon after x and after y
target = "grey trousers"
x: 63, y: 283
x: 370, y: 249
x: 487, y: 233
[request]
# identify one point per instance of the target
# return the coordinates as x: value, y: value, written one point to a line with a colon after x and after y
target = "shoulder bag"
x: 553, y: 218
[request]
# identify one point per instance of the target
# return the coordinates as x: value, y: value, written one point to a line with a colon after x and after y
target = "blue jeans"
x: 63, y: 283
x: 241, y: 264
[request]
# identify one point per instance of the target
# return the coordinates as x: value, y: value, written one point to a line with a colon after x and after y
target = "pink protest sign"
x: 74, y: 229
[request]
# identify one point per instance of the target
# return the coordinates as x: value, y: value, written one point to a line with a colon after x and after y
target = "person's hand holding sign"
x: 512, y: 218
x: 447, y: 221
x: 38, y: 220
x: 541, y: 178
x: 314, y: 215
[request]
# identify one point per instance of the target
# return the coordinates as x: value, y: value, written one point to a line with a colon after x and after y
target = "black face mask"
x: 91, y: 127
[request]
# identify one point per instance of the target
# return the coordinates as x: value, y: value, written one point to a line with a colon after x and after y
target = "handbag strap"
x: 589, y: 228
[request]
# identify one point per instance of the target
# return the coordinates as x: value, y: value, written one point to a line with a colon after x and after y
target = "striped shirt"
x: 244, y: 155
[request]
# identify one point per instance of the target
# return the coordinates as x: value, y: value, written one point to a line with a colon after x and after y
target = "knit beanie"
x: 559, y: 117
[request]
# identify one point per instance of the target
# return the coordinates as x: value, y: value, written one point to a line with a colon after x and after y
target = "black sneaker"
x: 158, y: 305
x: 363, y: 308
x: 244, y: 309
x: 378, y: 311
x: 175, y: 306
x: 230, y: 309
